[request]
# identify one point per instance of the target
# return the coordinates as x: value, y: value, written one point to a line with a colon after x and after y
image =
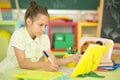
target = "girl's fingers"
x: 54, y: 67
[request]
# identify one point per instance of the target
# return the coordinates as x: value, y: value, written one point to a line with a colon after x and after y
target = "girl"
x: 27, y: 44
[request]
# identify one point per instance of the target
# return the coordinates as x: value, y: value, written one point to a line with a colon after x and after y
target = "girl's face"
x: 37, y: 26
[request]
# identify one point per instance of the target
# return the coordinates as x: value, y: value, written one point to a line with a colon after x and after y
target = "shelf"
x: 8, y: 25
x: 82, y: 25
x: 59, y: 53
x: 62, y: 27
x: 88, y: 24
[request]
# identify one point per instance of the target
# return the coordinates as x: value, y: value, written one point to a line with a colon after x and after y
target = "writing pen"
x: 48, y: 57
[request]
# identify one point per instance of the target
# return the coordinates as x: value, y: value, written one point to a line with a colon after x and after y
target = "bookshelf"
x: 9, y: 25
x: 87, y: 29
x: 62, y: 27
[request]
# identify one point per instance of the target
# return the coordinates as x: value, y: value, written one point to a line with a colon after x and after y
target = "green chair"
x: 3, y: 48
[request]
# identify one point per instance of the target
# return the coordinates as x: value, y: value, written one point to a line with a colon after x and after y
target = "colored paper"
x: 39, y: 75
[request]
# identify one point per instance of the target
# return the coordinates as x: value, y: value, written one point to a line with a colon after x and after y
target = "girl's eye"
x: 41, y: 25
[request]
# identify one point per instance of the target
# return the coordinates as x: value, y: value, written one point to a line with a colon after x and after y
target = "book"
x: 90, y: 61
x: 107, y: 63
x: 115, y: 66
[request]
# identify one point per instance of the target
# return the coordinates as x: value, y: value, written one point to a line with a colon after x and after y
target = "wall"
x: 76, y: 15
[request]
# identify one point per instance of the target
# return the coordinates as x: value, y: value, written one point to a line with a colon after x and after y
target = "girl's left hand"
x: 75, y: 58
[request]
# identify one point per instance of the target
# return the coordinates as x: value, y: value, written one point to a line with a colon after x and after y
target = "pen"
x: 48, y: 57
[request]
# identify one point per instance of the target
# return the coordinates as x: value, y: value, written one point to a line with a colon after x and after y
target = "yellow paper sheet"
x: 39, y: 75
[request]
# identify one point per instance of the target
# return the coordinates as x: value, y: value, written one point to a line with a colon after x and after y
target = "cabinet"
x: 79, y: 29
x: 87, y: 29
x: 62, y: 27
x: 8, y: 25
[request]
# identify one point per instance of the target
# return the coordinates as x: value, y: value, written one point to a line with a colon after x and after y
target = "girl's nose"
x: 43, y: 28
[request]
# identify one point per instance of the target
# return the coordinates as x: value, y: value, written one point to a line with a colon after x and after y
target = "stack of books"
x: 107, y: 62
x: 6, y: 10
x: 110, y: 64
x: 107, y: 66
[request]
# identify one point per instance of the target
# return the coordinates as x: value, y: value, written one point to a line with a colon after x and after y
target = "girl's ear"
x: 28, y: 21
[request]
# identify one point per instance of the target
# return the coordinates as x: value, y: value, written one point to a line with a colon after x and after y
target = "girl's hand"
x: 50, y: 67
x: 75, y: 58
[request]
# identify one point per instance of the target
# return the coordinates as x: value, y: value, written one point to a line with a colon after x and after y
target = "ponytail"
x: 35, y: 9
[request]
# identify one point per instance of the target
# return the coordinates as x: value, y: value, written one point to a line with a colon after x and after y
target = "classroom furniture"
x: 85, y: 25
x: 5, y: 10
x: 63, y: 40
x: 79, y: 29
x: 116, y: 57
x: 3, y: 47
x: 62, y: 27
x: 109, y: 75
x: 9, y: 25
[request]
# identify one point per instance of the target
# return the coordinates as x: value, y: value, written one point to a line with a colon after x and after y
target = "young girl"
x: 27, y: 44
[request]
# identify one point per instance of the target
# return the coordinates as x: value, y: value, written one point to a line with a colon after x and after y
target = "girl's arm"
x: 32, y: 65
x: 63, y: 61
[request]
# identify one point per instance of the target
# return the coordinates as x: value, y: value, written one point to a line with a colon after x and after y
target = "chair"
x: 3, y: 48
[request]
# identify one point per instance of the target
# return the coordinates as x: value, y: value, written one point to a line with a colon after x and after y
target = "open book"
x: 107, y: 57
x: 90, y: 59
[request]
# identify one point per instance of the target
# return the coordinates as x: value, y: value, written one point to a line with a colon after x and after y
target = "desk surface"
x: 110, y: 75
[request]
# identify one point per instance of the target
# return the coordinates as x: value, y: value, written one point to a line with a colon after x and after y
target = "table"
x: 110, y: 75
